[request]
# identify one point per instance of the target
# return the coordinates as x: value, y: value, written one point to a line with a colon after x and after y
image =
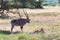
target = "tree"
x: 4, y: 6
x: 23, y: 4
x: 38, y: 4
x: 28, y: 3
x: 35, y: 3
x: 58, y: 1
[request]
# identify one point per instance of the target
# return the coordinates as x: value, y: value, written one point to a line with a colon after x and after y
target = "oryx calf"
x: 20, y: 22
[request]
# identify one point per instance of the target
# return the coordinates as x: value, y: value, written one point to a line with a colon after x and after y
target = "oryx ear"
x: 26, y: 14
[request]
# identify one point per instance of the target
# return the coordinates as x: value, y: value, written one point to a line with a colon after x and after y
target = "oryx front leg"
x: 12, y: 28
x: 21, y: 28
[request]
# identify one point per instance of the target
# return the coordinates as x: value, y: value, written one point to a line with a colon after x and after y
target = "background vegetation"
x: 22, y: 3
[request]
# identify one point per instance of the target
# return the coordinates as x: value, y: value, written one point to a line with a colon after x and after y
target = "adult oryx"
x: 20, y: 22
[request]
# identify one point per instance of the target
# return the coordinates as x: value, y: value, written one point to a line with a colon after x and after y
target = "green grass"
x: 20, y: 36
x: 26, y: 36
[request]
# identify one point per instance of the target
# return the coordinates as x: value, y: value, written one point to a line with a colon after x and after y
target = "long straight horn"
x: 26, y: 14
x: 19, y: 13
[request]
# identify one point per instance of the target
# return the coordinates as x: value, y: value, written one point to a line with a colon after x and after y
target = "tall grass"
x: 52, y: 30
x: 45, y: 14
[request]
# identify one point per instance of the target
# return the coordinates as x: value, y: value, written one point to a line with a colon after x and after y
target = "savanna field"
x: 48, y: 19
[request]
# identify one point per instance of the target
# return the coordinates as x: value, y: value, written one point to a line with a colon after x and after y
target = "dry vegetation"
x: 49, y: 21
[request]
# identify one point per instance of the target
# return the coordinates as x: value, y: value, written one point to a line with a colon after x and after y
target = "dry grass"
x: 49, y: 21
